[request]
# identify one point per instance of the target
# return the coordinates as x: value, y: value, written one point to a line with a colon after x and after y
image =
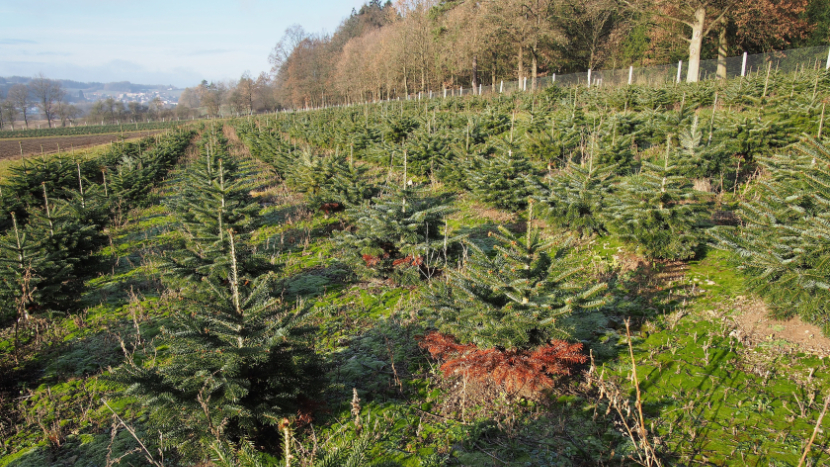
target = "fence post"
x: 630, y: 74
x: 589, y: 77
x: 479, y: 89
x: 827, y: 65
x: 743, y: 66
x: 501, y: 86
x: 679, y: 69
x: 445, y: 93
x: 553, y: 79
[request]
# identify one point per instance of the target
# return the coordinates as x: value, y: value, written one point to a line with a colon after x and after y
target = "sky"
x: 178, y: 42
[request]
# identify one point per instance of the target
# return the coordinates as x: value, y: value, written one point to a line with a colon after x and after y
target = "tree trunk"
x: 475, y: 72
x: 695, y: 45
x: 494, y: 77
x: 534, y: 69
x: 521, y: 65
x: 405, y: 85
x: 722, y: 52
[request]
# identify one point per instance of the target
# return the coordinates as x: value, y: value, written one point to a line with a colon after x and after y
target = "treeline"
x: 389, y: 50
x: 45, y: 94
x: 52, y: 103
x: 110, y: 111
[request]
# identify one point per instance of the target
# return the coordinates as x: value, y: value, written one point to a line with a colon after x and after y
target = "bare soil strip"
x: 12, y: 148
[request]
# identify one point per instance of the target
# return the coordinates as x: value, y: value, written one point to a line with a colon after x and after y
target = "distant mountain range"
x: 121, y: 86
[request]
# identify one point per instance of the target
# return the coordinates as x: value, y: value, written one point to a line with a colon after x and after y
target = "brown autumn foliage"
x: 770, y: 24
x: 394, y: 49
x: 513, y: 369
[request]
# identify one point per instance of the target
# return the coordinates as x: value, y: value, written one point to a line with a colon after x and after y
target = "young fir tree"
x: 400, y: 230
x: 425, y: 149
x: 51, y: 252
x: 329, y: 182
x: 658, y: 212
x: 511, y: 298
x: 577, y: 197
x: 698, y: 159
x: 501, y: 180
x: 216, y: 200
x: 235, y: 359
x: 31, y: 273
x: 783, y: 244
x: 233, y: 362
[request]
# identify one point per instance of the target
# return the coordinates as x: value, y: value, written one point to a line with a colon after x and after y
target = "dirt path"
x: 11, y: 148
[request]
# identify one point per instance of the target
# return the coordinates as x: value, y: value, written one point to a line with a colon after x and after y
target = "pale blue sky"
x: 177, y: 42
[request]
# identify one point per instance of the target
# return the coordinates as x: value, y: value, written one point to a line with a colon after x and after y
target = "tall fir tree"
x: 233, y: 363
x: 236, y: 358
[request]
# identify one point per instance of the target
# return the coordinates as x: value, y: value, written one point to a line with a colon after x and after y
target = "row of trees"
x: 110, y: 110
x: 50, y: 99
x: 246, y: 96
x: 387, y: 50
x: 43, y: 93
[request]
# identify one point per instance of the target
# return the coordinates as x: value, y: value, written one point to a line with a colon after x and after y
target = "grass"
x: 708, y: 398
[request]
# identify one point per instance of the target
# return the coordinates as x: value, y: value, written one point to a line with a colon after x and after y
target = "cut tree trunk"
x: 695, y: 45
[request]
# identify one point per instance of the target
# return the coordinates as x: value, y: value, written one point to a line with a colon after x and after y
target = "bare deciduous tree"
x: 46, y: 93
x: 19, y: 97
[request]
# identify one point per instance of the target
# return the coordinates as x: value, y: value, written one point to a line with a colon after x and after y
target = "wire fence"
x: 743, y: 65
x: 787, y: 61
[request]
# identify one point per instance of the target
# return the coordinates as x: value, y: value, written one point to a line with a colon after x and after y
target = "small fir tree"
x: 577, y: 198
x: 697, y: 159
x: 511, y: 298
x: 501, y: 180
x: 658, y: 212
x: 216, y: 200
x: 400, y: 230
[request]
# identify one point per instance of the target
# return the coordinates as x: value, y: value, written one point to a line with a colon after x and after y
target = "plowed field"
x: 15, y: 148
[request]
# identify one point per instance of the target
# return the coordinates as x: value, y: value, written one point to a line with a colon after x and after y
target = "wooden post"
x: 501, y: 86
x: 679, y: 69
x: 589, y: 77
x: 743, y: 66
x: 827, y: 65
x: 630, y: 74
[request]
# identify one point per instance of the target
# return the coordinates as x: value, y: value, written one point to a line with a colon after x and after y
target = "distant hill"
x: 121, y: 86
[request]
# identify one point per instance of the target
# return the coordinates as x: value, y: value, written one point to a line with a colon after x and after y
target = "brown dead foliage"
x: 516, y: 370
